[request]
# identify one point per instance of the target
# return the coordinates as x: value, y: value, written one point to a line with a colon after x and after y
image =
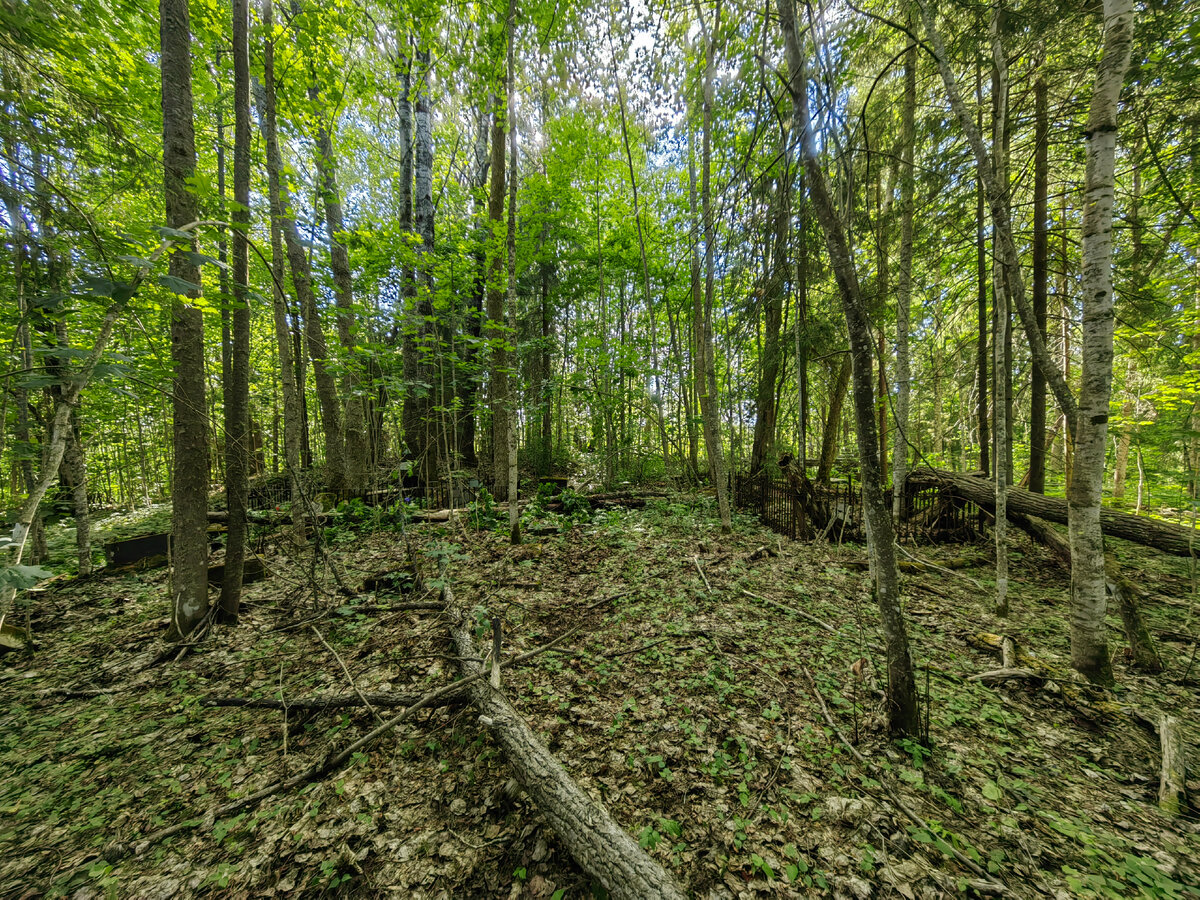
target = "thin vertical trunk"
x: 291, y: 360
x: 1066, y: 316
x: 776, y: 287
x: 189, y: 498
x: 353, y: 413
x: 495, y: 331
x: 430, y: 429
x: 412, y: 413
x: 1000, y: 319
x: 302, y: 282
x: 1089, y: 642
x: 1037, y: 387
x: 237, y: 385
x: 468, y: 386
x: 709, y: 398
x: 904, y: 279
x: 833, y: 421
x: 902, y: 692
x: 514, y: 518
x: 1124, y: 444
x: 982, y: 364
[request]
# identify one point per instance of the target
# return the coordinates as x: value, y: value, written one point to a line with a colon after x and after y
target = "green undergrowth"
x: 682, y: 702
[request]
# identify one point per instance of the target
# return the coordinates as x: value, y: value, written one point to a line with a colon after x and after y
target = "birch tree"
x: 1087, y: 415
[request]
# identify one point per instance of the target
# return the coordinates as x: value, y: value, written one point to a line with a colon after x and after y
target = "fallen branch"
x: 318, y: 704
x: 116, y: 851
x: 795, y: 612
x: 597, y: 843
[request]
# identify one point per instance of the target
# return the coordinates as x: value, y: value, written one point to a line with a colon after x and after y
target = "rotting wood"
x: 1158, y: 535
x: 1172, y: 787
x: 597, y: 843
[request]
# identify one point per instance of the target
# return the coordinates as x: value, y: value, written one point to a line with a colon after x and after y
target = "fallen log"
x: 1142, y: 649
x: 598, y: 844
x: 335, y: 701
x: 1172, y: 787
x: 1162, y: 536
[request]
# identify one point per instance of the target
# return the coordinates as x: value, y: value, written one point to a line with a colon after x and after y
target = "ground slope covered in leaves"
x: 682, y: 701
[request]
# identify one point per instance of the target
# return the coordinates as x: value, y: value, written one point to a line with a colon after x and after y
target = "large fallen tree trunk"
x: 598, y: 844
x: 1154, y: 533
x: 1128, y: 597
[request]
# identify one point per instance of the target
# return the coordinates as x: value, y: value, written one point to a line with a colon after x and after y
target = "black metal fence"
x: 834, y: 511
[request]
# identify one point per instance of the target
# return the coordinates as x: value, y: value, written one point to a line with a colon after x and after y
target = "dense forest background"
x: 339, y: 332
x: 388, y: 121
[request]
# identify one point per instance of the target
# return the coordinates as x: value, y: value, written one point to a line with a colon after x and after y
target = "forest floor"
x: 682, y: 701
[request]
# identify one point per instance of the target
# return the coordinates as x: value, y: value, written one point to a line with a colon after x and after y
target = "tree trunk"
x: 495, y: 331
x: 705, y: 351
x: 237, y: 388
x: 833, y: 421
x: 1000, y: 319
x: 189, y: 497
x: 904, y: 279
x: 1089, y: 646
x: 469, y: 386
x: 902, y: 708
x: 281, y: 212
x: 510, y: 437
x: 600, y: 846
x: 1155, y: 533
x: 432, y: 407
x: 773, y: 295
x: 1037, y: 387
x: 353, y: 415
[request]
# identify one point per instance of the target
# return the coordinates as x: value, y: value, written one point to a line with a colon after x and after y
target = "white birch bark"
x: 1089, y: 644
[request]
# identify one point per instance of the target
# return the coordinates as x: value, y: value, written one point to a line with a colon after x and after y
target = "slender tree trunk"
x: 495, y: 331
x: 189, y: 498
x: 353, y: 412
x: 833, y: 421
x: 982, y: 364
x: 1124, y: 444
x: 903, y: 715
x: 432, y: 409
x: 237, y: 388
x: 514, y: 518
x: 709, y: 398
x: 302, y: 282
x: 773, y: 296
x: 468, y: 387
x: 1089, y: 643
x: 1037, y: 387
x: 1000, y: 319
x: 904, y: 279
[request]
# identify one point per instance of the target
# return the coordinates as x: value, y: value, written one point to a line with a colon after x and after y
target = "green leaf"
x: 177, y: 285
x: 201, y: 259
x: 23, y: 577
x: 992, y: 791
